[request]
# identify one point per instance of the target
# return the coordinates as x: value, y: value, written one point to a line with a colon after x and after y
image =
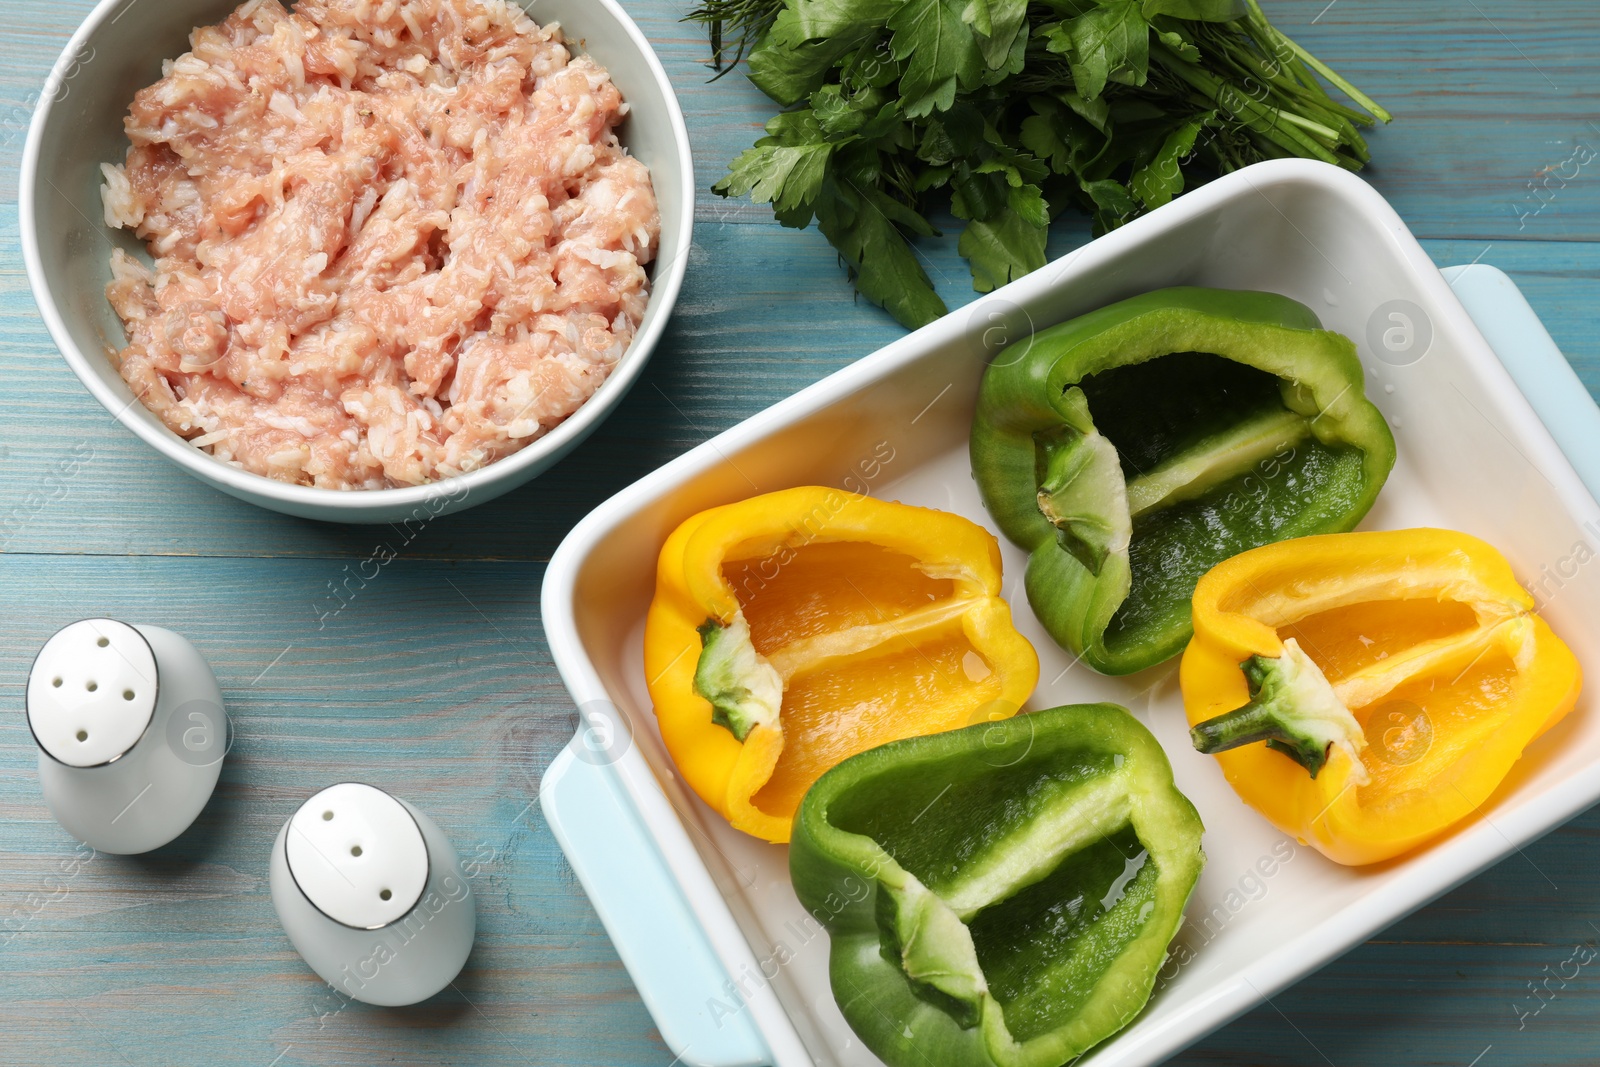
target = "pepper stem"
x: 1292, y: 708
x: 1253, y: 723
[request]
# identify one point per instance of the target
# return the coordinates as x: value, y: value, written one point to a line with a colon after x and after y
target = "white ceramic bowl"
x: 77, y: 126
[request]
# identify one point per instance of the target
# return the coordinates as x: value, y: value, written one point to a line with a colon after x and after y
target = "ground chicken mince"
x: 393, y: 241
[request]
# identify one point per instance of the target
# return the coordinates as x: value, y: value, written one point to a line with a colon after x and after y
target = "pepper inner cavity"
x: 1354, y: 637
x: 1042, y: 864
x: 951, y: 828
x: 1215, y: 464
x: 864, y: 641
x: 835, y: 712
x: 1370, y: 649
x: 1184, y: 422
x: 1421, y: 731
x: 1044, y: 950
x: 815, y: 589
x: 1384, y: 659
x: 1180, y: 426
x: 1383, y: 664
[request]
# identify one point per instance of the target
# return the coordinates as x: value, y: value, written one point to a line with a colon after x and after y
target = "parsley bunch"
x: 1009, y: 111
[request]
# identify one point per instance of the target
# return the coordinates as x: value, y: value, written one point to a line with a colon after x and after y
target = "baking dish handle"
x: 679, y: 976
x: 1525, y: 348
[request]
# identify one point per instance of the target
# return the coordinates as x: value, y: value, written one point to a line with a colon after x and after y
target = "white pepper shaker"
x: 131, y: 732
x: 371, y: 894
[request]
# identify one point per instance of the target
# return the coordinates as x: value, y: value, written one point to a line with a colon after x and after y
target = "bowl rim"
x: 666, y: 285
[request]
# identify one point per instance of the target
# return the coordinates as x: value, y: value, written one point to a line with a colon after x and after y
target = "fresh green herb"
x: 1009, y: 111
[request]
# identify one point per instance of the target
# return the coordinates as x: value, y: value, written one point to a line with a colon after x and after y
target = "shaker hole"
x: 355, y: 850
x: 384, y: 894
x: 56, y: 682
x: 127, y: 694
x: 103, y: 642
x: 92, y: 686
x: 83, y: 735
x: 327, y: 816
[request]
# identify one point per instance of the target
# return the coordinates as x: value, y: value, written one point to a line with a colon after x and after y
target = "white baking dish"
x: 691, y: 902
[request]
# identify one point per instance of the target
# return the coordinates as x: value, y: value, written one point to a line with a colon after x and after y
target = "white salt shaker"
x: 372, y: 895
x: 131, y: 732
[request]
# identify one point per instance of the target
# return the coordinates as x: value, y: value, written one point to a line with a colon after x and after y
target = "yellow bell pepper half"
x: 795, y: 629
x: 1395, y: 677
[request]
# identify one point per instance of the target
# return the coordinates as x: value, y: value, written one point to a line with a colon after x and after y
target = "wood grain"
x: 435, y: 679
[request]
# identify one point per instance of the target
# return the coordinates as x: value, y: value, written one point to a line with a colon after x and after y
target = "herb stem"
x: 1259, y: 18
x: 1330, y: 137
x: 1241, y: 106
x: 746, y: 19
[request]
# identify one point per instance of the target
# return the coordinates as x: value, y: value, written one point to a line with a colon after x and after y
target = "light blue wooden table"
x: 436, y: 682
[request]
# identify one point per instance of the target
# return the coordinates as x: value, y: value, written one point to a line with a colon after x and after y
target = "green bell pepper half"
x: 1132, y: 449
x: 1002, y: 894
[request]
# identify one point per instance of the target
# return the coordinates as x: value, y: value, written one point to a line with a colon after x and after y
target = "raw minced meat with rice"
x: 392, y: 241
